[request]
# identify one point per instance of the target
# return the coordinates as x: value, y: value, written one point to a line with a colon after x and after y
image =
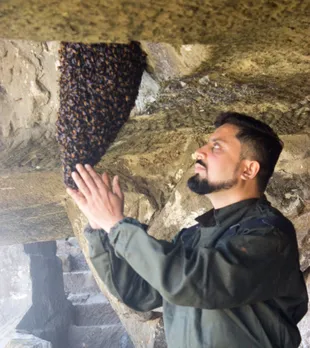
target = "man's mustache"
x: 201, y: 163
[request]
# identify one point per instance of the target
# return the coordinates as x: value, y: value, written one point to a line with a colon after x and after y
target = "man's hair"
x: 261, y: 142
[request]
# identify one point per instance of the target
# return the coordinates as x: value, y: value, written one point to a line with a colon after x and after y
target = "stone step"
x: 87, y: 298
x: 108, y: 336
x: 95, y: 314
x: 71, y: 255
x: 81, y: 281
x: 78, y: 263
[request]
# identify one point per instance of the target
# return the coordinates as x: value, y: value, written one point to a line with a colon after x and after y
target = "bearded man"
x: 233, y: 279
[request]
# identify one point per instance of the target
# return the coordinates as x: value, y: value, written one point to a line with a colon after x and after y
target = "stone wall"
x: 239, y: 22
x: 240, y: 56
x: 15, y: 290
x: 28, y: 341
x: 32, y: 296
x: 49, y: 316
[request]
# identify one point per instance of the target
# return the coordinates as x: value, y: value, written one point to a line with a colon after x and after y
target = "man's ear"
x: 250, y: 170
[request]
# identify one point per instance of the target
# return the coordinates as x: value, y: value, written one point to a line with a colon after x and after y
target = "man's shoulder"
x: 266, y: 218
x: 274, y: 215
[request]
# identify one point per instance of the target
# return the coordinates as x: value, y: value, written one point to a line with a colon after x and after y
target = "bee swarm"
x: 99, y: 84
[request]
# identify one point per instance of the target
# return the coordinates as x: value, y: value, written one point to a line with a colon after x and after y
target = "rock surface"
x: 148, y: 92
x: 249, y: 59
x: 31, y: 188
x: 49, y: 316
x: 31, y: 209
x: 29, y: 106
x: 94, y: 322
x: 28, y: 341
x: 304, y: 325
x: 241, y: 23
x: 15, y: 290
x: 32, y: 296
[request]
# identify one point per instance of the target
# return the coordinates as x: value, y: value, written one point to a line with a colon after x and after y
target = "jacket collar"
x: 217, y: 216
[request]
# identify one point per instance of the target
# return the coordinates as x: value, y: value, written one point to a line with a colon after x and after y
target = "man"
x: 232, y: 280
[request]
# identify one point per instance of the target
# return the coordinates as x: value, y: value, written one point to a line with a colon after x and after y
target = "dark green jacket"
x: 221, y: 284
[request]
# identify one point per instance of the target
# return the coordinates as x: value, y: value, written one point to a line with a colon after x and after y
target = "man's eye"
x: 215, y: 147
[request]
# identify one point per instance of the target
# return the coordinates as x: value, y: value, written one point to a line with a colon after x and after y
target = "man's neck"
x: 227, y: 197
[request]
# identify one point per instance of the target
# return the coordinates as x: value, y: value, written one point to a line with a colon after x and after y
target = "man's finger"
x: 106, y: 180
x: 81, y: 184
x: 95, y: 176
x: 88, y: 180
x: 116, y: 188
x: 77, y: 196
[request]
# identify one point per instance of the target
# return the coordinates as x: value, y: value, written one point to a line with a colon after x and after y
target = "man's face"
x: 218, y: 162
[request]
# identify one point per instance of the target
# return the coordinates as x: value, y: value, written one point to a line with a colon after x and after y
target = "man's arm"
x: 119, y: 277
x: 242, y: 269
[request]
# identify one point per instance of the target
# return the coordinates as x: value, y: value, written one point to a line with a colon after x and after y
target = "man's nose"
x: 200, y: 153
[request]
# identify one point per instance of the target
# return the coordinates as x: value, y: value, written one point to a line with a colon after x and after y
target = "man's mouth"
x: 199, y: 168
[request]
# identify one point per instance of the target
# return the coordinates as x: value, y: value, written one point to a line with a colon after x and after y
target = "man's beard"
x: 203, y: 186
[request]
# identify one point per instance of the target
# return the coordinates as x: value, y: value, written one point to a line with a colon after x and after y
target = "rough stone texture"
x: 255, y: 60
x: 302, y: 225
x: 32, y: 297
x: 21, y: 340
x: 173, y: 21
x: 95, y: 314
x: 28, y: 106
x: 71, y: 255
x: 15, y: 290
x: 304, y: 325
x: 37, y: 59
x: 31, y: 209
x: 104, y: 336
x: 75, y: 281
x: 224, y: 80
x: 50, y: 313
x: 30, y: 182
x: 148, y: 91
x: 92, y: 315
x: 168, y: 62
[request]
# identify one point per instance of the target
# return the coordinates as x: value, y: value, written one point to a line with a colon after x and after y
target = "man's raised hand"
x: 100, y: 201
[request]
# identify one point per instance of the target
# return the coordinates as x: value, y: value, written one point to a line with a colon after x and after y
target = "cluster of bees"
x: 99, y: 84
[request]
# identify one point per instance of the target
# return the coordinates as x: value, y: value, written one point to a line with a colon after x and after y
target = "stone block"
x: 71, y: 255
x: 31, y: 209
x: 148, y: 93
x: 50, y: 313
x: 21, y: 340
x: 304, y: 324
x: 95, y: 314
x: 30, y: 96
x: 15, y: 289
x: 66, y: 262
x: 76, y: 282
x: 167, y: 62
x: 302, y: 226
x: 45, y: 249
x: 109, y: 336
x: 87, y: 298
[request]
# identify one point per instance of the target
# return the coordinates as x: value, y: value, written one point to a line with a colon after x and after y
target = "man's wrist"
x: 125, y: 220
x: 113, y: 223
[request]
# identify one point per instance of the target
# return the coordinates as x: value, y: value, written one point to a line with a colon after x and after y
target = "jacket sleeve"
x: 242, y: 269
x: 119, y: 277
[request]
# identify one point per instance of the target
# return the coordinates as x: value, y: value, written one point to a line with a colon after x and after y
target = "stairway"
x: 95, y: 323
